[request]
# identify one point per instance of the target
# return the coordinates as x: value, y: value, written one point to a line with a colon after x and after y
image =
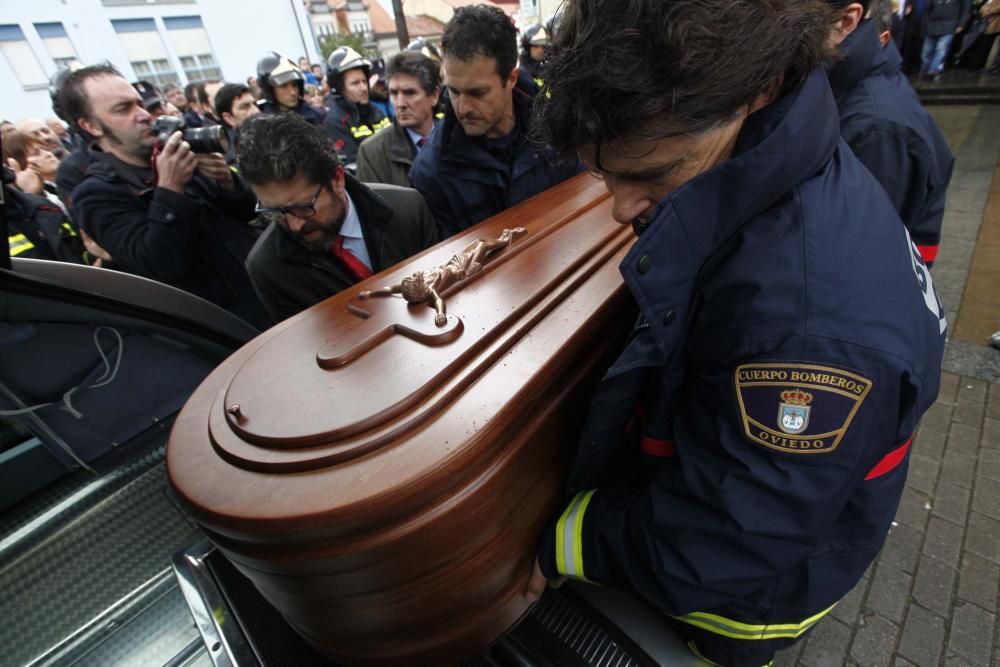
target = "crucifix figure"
x: 426, y: 286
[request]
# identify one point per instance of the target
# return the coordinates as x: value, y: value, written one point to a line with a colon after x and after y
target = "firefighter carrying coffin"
x: 381, y: 470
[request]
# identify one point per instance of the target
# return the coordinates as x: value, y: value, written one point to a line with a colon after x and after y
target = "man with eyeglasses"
x: 325, y: 229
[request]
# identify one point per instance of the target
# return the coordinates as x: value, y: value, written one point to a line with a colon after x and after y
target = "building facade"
x: 162, y: 41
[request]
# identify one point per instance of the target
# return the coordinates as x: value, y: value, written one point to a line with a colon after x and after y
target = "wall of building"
x: 438, y: 9
x: 237, y: 34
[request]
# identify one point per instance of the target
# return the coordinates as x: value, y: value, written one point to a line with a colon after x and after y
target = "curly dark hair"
x: 417, y: 65
x: 482, y: 30
x: 280, y: 148
x: 71, y: 98
x: 658, y: 68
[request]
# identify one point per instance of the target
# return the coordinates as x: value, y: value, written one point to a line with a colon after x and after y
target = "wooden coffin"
x: 383, y: 480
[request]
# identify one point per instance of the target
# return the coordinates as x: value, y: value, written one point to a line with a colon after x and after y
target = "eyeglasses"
x: 303, y: 211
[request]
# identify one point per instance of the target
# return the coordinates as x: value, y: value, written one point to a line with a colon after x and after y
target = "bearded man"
x: 326, y: 230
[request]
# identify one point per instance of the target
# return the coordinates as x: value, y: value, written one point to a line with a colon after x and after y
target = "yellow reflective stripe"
x: 19, y: 243
x: 361, y: 131
x: 735, y: 630
x: 68, y: 228
x: 385, y: 122
x: 569, y: 537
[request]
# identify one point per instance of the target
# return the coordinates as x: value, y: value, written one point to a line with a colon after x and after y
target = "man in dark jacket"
x: 327, y: 230
x: 283, y: 87
x: 883, y: 122
x: 415, y: 88
x: 157, y: 217
x: 480, y: 161
x: 235, y: 105
x: 743, y: 459
x: 351, y: 118
x: 943, y: 20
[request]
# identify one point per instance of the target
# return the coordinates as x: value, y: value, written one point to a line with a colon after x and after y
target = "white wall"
x: 239, y: 32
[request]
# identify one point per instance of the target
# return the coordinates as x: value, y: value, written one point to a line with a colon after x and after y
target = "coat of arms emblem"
x: 793, y: 411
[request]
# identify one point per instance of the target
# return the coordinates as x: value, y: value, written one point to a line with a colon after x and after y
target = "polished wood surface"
x: 382, y: 480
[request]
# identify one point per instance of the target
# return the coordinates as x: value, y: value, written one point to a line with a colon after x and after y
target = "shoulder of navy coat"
x: 882, y: 119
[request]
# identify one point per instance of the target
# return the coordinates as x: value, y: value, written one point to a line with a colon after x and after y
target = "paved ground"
x: 931, y: 598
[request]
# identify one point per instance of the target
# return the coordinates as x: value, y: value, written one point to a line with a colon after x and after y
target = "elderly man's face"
x: 58, y: 128
x: 640, y: 172
x: 40, y: 132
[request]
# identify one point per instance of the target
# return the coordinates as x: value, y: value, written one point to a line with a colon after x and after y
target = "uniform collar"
x: 778, y: 147
x: 861, y: 55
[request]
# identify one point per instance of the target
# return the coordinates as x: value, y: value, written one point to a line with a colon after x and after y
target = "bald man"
x: 42, y: 133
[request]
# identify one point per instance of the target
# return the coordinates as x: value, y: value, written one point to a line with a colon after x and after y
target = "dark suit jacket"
x: 289, y: 278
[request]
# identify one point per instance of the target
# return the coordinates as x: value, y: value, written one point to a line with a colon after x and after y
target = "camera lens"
x: 211, y: 139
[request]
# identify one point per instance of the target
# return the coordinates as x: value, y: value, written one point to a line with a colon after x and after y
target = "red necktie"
x: 421, y: 141
x: 354, y: 266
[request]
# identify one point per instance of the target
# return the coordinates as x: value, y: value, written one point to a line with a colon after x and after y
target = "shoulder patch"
x: 798, y: 408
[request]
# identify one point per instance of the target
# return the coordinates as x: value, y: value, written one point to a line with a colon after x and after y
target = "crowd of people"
x: 465, y: 146
x: 156, y: 182
x: 933, y: 33
x: 787, y: 189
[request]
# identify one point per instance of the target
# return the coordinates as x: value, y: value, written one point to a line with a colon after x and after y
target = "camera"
x: 211, y: 139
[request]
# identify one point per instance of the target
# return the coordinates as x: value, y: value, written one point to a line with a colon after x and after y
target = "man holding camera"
x: 160, y: 209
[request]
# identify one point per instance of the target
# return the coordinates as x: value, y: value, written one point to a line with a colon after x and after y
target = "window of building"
x: 145, y: 51
x: 360, y: 26
x: 57, y: 43
x: 324, y: 25
x: 21, y: 58
x: 190, y: 42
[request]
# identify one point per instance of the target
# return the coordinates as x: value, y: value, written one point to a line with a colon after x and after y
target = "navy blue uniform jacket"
x: 789, y: 341
x: 349, y: 125
x: 38, y: 229
x: 883, y: 122
x: 196, y: 242
x: 463, y: 183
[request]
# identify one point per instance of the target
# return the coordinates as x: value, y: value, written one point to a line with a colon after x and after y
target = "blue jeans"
x: 935, y: 51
